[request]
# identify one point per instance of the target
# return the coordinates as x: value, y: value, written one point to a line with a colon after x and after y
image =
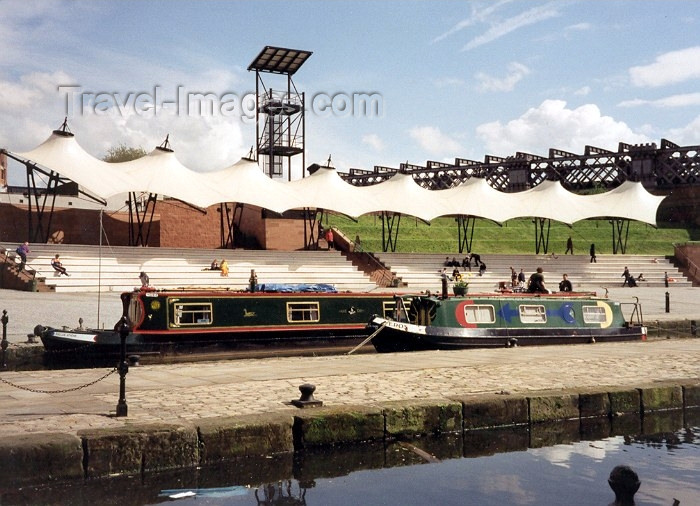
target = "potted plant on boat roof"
x: 460, y: 287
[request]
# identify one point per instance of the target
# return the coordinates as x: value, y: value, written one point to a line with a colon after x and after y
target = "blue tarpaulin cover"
x: 295, y: 287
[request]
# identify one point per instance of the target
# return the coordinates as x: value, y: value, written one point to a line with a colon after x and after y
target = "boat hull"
x: 397, y: 336
x: 487, y: 320
x: 172, y: 321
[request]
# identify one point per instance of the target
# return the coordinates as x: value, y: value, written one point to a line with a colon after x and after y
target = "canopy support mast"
x: 542, y: 235
x: 465, y: 232
x: 619, y: 226
x: 389, y: 234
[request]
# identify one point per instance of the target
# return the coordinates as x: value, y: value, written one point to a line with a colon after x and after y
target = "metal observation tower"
x: 279, y: 113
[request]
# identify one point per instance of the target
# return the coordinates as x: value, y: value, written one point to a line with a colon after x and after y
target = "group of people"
x: 536, y: 282
x: 22, y: 252
x: 630, y: 280
x: 216, y: 266
x: 466, y: 263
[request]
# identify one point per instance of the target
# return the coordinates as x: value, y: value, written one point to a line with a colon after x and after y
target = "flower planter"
x: 459, y: 291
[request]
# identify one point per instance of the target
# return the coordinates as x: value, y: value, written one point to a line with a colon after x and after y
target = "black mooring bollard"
x: 4, y: 343
x: 668, y: 303
x: 122, y: 327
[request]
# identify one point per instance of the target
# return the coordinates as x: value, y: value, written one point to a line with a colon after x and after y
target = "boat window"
x: 479, y: 314
x: 388, y: 308
x: 303, y: 312
x: 532, y: 314
x: 594, y: 314
x: 135, y: 313
x: 192, y: 313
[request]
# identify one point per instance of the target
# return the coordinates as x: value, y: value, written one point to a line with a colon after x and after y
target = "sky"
x: 446, y: 79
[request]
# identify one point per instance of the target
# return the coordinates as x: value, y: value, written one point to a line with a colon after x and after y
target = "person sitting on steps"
x: 58, y: 266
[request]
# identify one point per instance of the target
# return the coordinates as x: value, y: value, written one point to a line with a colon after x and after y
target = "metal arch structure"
x: 660, y: 167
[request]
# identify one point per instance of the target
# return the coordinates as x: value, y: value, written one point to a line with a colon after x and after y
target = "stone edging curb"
x: 135, y: 449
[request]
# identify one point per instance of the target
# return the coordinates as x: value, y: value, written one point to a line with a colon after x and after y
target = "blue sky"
x: 456, y: 78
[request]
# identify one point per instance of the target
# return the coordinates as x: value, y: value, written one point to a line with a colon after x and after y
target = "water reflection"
x: 281, y: 495
x: 542, y: 464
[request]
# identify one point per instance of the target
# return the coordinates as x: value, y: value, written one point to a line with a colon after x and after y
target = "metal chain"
x: 37, y: 391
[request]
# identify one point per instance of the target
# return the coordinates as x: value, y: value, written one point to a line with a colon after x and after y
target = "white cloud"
x: 578, y: 27
x: 36, y: 107
x: 669, y: 68
x: 374, y: 141
x: 583, y: 91
x: 477, y: 16
x: 553, y: 125
x: 434, y: 141
x: 681, y: 100
x: 498, y: 30
x: 516, y: 71
x: 687, y: 135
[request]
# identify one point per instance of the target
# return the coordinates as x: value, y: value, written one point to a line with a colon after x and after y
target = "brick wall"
x: 175, y: 225
x: 272, y: 232
x: 182, y: 226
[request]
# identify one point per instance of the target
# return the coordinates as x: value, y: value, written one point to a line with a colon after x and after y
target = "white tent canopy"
x: 401, y: 194
x: 475, y: 197
x: 245, y: 182
x: 160, y: 172
x: 325, y: 189
x: 629, y: 200
x: 61, y: 153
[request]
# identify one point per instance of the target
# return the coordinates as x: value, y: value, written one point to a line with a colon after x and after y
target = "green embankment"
x: 515, y: 236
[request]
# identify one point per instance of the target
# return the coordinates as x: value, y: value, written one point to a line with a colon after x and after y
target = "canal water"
x: 564, y: 463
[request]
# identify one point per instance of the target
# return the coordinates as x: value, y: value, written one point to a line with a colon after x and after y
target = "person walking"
x: 224, y: 267
x: 627, y: 276
x: 569, y: 246
x: 592, y: 252
x: 23, y: 250
x: 329, y: 239
x: 145, y: 280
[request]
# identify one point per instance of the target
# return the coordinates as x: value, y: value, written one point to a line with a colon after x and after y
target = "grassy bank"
x: 515, y: 236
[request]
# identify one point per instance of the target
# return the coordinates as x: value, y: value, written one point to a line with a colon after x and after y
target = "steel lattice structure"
x: 660, y: 168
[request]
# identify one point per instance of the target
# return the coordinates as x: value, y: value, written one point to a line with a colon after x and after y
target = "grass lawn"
x: 514, y: 236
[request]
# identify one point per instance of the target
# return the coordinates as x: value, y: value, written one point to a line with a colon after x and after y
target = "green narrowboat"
x: 425, y: 322
x: 193, y: 317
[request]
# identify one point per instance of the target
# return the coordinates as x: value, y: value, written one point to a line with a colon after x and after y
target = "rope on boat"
x: 368, y: 339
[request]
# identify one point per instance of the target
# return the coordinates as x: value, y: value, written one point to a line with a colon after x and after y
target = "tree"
x: 123, y: 153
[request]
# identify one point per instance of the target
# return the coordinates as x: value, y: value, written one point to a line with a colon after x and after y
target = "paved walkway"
x: 187, y: 392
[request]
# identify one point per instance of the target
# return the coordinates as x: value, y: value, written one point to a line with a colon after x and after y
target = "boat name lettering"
x: 398, y: 326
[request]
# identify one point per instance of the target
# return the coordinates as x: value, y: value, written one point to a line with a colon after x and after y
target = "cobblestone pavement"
x: 184, y: 393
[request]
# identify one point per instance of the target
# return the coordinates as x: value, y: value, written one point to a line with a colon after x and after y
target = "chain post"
x: 122, y: 327
x: 4, y: 343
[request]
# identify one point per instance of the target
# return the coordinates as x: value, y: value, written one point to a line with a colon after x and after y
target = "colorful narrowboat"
x: 425, y: 322
x: 193, y: 317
